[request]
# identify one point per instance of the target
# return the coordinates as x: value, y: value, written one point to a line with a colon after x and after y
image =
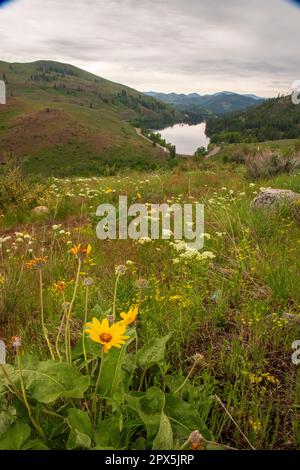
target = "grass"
x: 60, y: 120
x: 228, y: 310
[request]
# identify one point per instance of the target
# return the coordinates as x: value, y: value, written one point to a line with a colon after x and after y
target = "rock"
x: 267, y: 199
x: 39, y: 210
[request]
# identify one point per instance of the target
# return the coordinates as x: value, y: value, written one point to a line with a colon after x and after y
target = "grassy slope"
x: 68, y: 121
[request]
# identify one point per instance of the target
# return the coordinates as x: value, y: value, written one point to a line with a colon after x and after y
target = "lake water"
x: 186, y: 138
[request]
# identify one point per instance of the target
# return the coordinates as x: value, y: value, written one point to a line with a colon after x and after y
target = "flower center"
x: 105, y: 337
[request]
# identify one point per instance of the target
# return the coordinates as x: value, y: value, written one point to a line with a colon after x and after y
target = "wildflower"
x: 196, y: 440
x: 141, y: 283
x: 167, y: 233
x: 131, y: 316
x: 138, y: 196
x: 121, y: 269
x: 36, y: 263
x: 197, y: 358
x: 16, y: 342
x: 208, y: 255
x: 60, y: 286
x: 88, y: 281
x: 81, y: 252
x: 129, y: 262
x: 143, y: 240
x: 108, y: 336
x: 255, y: 425
x: 176, y: 297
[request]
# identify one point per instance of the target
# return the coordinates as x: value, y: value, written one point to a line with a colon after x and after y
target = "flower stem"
x: 115, y: 297
x: 94, y: 401
x: 68, y: 316
x: 34, y: 422
x: 84, y: 327
x: 59, y: 331
x: 43, y: 317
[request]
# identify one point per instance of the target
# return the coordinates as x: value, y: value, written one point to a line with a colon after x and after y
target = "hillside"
x: 204, y: 106
x: 275, y: 119
x: 67, y: 121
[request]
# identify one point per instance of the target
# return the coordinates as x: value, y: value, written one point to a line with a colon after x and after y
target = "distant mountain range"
x: 203, y: 106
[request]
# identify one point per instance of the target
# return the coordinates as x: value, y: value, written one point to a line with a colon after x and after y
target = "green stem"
x: 43, y: 317
x: 59, y: 333
x: 94, y: 401
x: 69, y: 314
x: 34, y: 422
x: 84, y: 327
x: 187, y: 378
x: 115, y: 296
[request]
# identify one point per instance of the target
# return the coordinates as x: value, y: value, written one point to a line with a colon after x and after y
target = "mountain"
x: 274, y: 119
x: 207, y: 105
x: 62, y: 120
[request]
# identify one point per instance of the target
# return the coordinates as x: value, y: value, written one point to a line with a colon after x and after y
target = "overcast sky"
x: 201, y: 46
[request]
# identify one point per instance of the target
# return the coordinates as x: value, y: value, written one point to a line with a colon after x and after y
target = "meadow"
x: 194, y: 349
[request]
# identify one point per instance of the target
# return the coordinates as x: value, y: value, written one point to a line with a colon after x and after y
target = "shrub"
x: 15, y: 190
x: 265, y: 164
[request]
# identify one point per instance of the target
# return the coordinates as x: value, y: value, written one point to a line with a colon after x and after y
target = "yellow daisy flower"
x: 108, y: 336
x: 80, y: 251
x: 131, y: 316
x: 36, y: 263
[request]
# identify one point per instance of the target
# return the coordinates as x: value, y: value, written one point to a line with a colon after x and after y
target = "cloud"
x: 165, y: 45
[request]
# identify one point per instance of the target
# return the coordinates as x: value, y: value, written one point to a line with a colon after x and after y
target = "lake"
x: 186, y: 138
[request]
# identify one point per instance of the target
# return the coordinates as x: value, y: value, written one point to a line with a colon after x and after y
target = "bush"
x: 15, y: 190
x: 266, y: 164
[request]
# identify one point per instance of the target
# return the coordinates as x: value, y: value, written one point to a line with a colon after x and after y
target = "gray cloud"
x: 165, y: 45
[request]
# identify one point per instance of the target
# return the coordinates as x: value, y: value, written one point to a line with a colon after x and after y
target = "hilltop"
x: 63, y: 121
x: 274, y: 119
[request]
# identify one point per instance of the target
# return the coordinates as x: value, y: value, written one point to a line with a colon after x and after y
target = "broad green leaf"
x: 107, y: 433
x: 35, y: 444
x: 152, y: 353
x: 184, y: 418
x: 112, y: 374
x: 7, y: 418
x: 149, y: 408
x: 15, y: 437
x: 47, y: 381
x: 164, y: 438
x: 81, y: 429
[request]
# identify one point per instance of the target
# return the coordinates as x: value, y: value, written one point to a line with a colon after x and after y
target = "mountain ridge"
x: 208, y: 105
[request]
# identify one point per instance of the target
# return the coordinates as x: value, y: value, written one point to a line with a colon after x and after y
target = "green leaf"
x: 107, y: 433
x: 35, y: 444
x: 81, y: 429
x: 15, y: 437
x: 47, y: 381
x: 149, y: 408
x: 152, y: 353
x: 112, y: 374
x: 184, y: 418
x: 164, y: 438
